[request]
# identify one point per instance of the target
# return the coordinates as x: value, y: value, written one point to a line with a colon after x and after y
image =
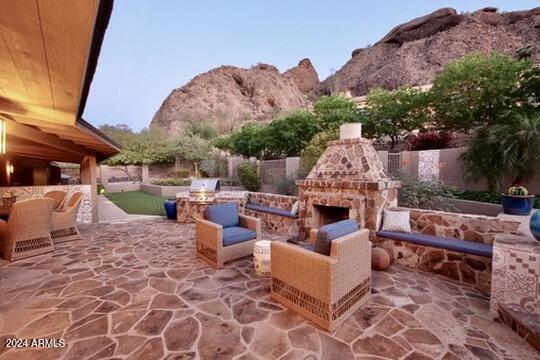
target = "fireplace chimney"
x: 350, y: 131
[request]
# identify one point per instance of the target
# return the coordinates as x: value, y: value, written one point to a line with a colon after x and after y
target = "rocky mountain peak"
x: 304, y: 76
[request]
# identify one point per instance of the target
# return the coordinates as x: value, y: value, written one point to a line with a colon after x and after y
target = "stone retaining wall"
x: 475, y: 270
x: 274, y: 224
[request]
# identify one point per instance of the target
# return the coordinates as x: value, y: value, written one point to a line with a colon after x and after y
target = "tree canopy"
x: 394, y: 113
x: 146, y: 147
x: 479, y: 90
x: 289, y: 134
x: 332, y: 111
x: 192, y: 148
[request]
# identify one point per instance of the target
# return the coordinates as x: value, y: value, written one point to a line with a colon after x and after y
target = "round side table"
x: 261, y: 257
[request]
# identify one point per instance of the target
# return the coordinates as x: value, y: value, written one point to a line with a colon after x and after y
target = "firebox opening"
x: 323, y: 215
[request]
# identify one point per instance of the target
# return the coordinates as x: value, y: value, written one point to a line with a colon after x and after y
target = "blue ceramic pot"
x: 170, y: 209
x: 517, y: 205
x: 535, y: 225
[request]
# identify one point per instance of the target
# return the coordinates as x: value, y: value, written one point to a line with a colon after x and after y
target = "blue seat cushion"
x: 333, y: 231
x: 236, y: 234
x: 461, y: 246
x: 309, y: 247
x: 270, y: 210
x: 224, y: 214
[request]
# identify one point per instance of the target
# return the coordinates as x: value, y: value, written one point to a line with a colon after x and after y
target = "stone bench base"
x: 275, y: 224
x: 471, y: 269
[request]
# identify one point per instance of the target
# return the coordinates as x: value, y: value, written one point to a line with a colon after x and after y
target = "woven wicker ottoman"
x: 261, y: 258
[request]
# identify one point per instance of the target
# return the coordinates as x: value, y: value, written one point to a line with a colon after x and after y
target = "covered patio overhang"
x: 48, y: 54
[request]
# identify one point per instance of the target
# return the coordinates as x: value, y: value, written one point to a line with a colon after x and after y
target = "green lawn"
x: 138, y: 202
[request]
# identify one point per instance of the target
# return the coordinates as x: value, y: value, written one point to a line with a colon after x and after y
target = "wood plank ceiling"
x: 44, y: 52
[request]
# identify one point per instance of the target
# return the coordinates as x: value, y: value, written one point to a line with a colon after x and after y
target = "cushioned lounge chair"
x: 327, y: 281
x: 64, y: 221
x: 224, y: 235
x: 58, y: 196
x: 28, y: 230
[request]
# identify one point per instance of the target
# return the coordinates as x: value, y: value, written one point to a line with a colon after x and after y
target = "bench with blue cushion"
x: 456, y: 245
x: 270, y: 210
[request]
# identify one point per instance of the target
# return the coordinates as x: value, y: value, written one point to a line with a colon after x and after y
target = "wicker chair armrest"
x: 208, y: 232
x: 3, y: 227
x: 350, y: 245
x: 304, y: 270
x: 313, y: 236
x: 251, y: 223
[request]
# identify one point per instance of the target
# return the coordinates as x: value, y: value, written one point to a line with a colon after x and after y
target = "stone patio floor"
x: 135, y: 290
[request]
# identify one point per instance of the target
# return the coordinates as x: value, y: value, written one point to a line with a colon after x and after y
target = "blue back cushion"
x: 225, y: 215
x: 329, y: 232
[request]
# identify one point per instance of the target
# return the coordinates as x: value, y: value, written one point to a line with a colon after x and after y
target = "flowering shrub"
x: 430, y: 140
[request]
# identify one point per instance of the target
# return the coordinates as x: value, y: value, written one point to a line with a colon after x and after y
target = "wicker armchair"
x: 58, y: 196
x: 323, y: 289
x: 28, y: 230
x: 64, y: 222
x: 209, y: 241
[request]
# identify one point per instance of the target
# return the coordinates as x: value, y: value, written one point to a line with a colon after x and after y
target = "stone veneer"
x: 475, y: 270
x: 30, y: 192
x: 274, y: 223
x: 188, y: 211
x: 475, y: 228
x: 351, y: 175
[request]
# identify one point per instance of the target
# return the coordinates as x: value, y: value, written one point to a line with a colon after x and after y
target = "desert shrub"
x: 415, y: 193
x: 430, y: 140
x: 182, y: 173
x: 509, y: 149
x: 247, y: 174
x: 214, y: 167
x: 171, y: 182
x: 287, y: 186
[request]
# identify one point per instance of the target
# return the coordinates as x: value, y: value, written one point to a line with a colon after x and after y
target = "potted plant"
x: 517, y: 201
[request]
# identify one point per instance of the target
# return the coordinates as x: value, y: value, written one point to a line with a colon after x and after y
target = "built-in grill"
x: 203, y: 191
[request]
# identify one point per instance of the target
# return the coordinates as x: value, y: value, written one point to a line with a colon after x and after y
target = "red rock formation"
x: 304, y: 76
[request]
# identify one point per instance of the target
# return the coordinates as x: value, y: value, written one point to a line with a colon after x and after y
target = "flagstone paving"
x: 135, y: 290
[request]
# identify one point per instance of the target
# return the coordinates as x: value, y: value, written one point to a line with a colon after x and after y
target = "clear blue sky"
x: 153, y: 47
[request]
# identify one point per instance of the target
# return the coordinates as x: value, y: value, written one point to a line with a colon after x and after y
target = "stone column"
x: 292, y: 164
x: 145, y: 174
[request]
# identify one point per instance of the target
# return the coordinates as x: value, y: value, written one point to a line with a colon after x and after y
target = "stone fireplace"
x: 348, y: 181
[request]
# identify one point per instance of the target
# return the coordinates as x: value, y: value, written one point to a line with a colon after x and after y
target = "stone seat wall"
x: 475, y: 270
x: 274, y: 224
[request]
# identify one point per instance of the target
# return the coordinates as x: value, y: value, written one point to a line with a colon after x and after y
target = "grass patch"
x: 138, y: 202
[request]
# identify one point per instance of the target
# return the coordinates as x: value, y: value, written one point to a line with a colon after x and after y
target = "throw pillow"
x: 294, y: 210
x: 396, y: 220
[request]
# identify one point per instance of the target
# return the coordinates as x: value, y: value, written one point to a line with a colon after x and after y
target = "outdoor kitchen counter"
x: 188, y: 207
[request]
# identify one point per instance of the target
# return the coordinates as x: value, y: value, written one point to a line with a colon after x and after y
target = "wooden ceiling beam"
x: 38, y: 151
x: 14, y: 129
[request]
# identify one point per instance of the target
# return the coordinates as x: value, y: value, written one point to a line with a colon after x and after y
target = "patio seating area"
x: 136, y: 290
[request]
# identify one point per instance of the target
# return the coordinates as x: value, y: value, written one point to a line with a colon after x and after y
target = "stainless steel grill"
x: 203, y: 191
